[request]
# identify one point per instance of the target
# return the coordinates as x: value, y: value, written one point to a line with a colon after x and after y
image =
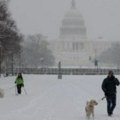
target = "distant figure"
x: 109, y: 88
x: 19, y: 83
x: 1, y: 93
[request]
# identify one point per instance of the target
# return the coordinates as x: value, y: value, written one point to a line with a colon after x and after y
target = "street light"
x: 59, y: 70
x: 20, y: 66
x: 42, y: 61
x: 12, y: 63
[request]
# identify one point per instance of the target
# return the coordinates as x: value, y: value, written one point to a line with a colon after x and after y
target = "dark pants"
x: 111, y: 103
x: 19, y: 89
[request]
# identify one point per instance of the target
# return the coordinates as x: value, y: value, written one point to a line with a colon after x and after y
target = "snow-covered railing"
x: 66, y: 71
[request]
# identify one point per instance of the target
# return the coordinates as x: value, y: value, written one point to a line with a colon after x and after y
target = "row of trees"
x: 15, y: 50
x: 111, y: 55
x: 10, y: 37
x: 35, y: 52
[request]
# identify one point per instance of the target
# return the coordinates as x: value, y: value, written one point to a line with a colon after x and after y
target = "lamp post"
x: 12, y: 64
x: 11, y: 61
x: 96, y: 63
x: 42, y: 61
x: 20, y: 66
x: 42, y: 64
x: 59, y: 70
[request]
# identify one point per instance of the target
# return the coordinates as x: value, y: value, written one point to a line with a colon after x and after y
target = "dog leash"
x: 101, y: 99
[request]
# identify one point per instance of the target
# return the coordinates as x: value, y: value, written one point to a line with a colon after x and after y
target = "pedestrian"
x: 109, y: 88
x: 19, y: 83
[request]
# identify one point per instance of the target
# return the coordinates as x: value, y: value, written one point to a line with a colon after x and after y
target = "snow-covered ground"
x: 50, y: 98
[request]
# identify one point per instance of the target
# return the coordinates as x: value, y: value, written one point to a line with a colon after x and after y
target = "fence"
x: 66, y: 71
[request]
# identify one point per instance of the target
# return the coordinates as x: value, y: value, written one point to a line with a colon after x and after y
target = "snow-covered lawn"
x: 50, y: 98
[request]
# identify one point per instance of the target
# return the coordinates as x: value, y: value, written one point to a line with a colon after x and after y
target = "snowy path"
x: 54, y: 99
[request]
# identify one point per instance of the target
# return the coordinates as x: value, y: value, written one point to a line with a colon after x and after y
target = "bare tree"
x: 36, y: 53
x: 10, y: 38
x: 112, y: 55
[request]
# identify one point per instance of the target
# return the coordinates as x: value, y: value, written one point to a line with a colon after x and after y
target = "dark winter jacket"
x: 109, y: 85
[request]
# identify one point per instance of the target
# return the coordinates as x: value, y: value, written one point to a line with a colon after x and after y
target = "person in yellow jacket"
x: 19, y: 83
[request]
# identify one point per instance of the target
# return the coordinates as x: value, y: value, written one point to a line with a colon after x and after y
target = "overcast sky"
x: 102, y: 17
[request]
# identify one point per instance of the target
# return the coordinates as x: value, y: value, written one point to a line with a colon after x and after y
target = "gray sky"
x: 102, y: 17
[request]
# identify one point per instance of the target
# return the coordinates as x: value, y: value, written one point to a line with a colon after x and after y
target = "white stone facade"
x: 73, y: 48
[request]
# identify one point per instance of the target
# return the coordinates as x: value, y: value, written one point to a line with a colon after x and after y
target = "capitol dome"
x: 73, y: 24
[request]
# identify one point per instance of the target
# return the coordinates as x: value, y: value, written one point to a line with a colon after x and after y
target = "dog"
x: 1, y: 93
x: 89, y: 108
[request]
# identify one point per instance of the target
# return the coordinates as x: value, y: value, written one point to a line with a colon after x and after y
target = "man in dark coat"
x: 109, y: 88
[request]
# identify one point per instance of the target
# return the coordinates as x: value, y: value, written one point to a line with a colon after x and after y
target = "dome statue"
x: 73, y: 23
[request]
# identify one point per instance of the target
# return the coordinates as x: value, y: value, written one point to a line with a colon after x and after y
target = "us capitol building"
x: 72, y: 47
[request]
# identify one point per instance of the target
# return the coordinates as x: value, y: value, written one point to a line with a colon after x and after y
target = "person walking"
x: 109, y: 88
x: 19, y: 83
